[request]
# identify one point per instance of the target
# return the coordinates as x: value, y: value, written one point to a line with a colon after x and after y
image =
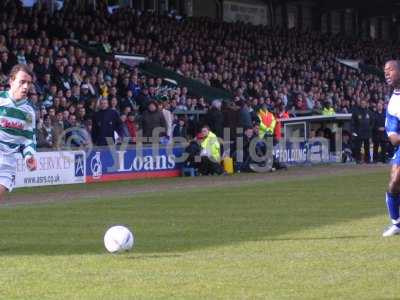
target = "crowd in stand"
x: 82, y: 99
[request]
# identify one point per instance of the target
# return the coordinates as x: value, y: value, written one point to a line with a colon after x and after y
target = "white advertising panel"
x: 64, y: 167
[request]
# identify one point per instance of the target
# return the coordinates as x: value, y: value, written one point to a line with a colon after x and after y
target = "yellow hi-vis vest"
x: 211, y: 145
x: 328, y: 111
x: 267, y: 123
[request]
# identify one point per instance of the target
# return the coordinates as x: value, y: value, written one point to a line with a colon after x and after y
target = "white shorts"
x: 8, y: 165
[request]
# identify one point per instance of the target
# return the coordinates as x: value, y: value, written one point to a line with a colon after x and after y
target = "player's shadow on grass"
x: 191, y: 220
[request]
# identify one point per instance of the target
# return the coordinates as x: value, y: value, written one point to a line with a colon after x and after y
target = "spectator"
x: 245, y: 118
x: 180, y: 129
x: 114, y: 104
x: 215, y: 118
x: 106, y: 122
x: 77, y: 134
x: 58, y: 127
x: 310, y: 101
x: 169, y: 119
x: 85, y: 93
x: 193, y: 151
x: 299, y: 103
x: 125, y: 130
x: 282, y: 113
x: 81, y: 115
x: 72, y: 136
x: 46, y: 137
x: 346, y: 148
x: 128, y: 101
x: 132, y: 127
x: 152, y: 121
x: 231, y: 117
x: 249, y: 143
x: 143, y: 99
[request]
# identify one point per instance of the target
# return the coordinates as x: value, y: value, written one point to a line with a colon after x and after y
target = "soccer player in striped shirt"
x: 17, y: 127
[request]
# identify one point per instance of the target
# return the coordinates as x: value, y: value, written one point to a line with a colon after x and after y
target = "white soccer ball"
x: 118, y: 239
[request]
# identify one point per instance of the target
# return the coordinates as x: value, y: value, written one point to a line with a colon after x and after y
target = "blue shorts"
x: 396, y: 158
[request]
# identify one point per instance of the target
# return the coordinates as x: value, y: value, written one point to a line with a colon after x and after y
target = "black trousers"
x: 380, y: 156
x: 209, y: 167
x: 358, y: 142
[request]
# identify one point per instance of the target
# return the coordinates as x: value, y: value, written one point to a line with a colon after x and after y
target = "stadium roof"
x: 370, y: 7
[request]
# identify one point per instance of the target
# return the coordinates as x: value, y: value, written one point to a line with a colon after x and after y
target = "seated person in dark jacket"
x: 255, y: 157
x: 180, y: 129
x: 193, y: 150
x: 249, y: 146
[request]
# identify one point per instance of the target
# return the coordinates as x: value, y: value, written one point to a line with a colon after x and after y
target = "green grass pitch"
x: 313, y: 238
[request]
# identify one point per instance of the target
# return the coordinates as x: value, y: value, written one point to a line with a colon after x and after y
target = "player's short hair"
x: 20, y: 67
x: 397, y: 64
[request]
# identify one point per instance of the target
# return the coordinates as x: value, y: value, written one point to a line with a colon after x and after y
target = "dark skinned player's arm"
x: 394, y: 139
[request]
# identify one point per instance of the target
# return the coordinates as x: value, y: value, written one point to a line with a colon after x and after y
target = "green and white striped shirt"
x: 17, y: 126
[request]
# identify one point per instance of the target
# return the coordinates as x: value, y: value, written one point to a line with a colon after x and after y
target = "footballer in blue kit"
x: 392, y: 126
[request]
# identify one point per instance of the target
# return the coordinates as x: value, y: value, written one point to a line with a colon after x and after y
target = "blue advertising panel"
x: 307, y: 152
x: 111, y: 165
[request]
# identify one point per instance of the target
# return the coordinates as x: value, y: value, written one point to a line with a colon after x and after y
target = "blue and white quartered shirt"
x: 392, y: 123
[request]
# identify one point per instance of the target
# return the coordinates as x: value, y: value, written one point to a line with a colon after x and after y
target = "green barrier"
x: 194, y: 87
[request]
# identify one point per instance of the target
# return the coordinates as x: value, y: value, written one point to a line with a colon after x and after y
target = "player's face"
x: 392, y: 74
x: 20, y: 85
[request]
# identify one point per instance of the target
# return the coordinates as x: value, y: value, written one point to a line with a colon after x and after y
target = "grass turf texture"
x: 315, y: 238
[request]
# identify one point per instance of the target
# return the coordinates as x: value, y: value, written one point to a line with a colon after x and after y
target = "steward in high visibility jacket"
x: 210, y: 145
x: 328, y: 109
x: 267, y: 122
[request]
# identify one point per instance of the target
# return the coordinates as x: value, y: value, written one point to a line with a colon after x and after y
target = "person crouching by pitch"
x: 210, y: 154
